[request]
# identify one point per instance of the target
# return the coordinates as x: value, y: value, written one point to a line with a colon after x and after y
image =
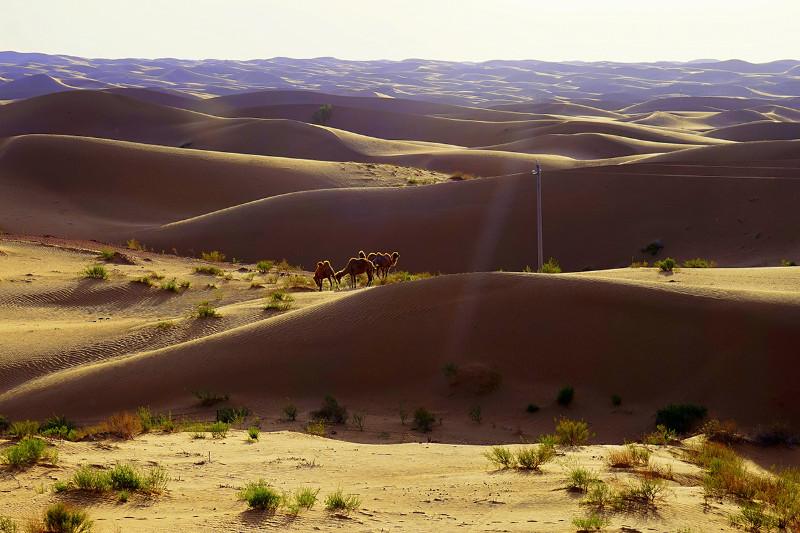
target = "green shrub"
x: 215, y: 256
x: 533, y: 457
x: 23, y: 428
x: 209, y: 270
x: 580, y: 479
x: 172, y: 285
x: 423, y: 420
x: 279, y: 301
x: 95, y: 272
x: 331, y: 411
x: 681, y: 418
x: 753, y: 516
x: 106, y: 254
x: 253, y: 432
x: 476, y: 414
x: 358, y: 420
x: 323, y: 114
x: 572, y: 432
x: 788, y: 263
x: 28, y: 452
x: 232, y: 415
x: 151, y: 421
x: 644, y: 493
x: 666, y: 265
x: 551, y: 266
x: 592, y: 522
x: 501, y: 457
x: 599, y: 496
x: 123, y: 496
x: 653, y: 248
x: 661, y: 436
x: 219, y: 430
x: 125, y: 477
x: 699, y: 263
x: 208, y: 398
x: 264, y: 266
x: 60, y: 518
x: 91, y: 479
x: 532, y: 408
x: 340, y: 503
x: 155, y: 480
x: 4, y: 424
x: 565, y: 396
x: 316, y: 427
x: 133, y: 244
x: 290, y: 412
x: 259, y: 495
x: 302, y: 499
x: 59, y: 427
x: 206, y: 310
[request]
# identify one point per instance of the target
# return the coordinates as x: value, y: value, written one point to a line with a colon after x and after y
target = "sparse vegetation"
x: 214, y: 256
x: 23, y: 428
x: 264, y: 266
x: 259, y: 495
x: 279, y: 301
x: 653, y: 248
x: 565, y: 396
x: 6, y: 524
x: 218, y: 430
x: 27, y: 452
x: 724, y: 432
x: 58, y: 427
x: 629, y: 456
x: 572, y: 432
x: 661, y: 436
x: 323, y: 114
x: 639, y: 264
x: 358, y: 420
x: 120, y: 477
x: 550, y: 266
x: 302, y: 499
x: 316, y: 427
x: 682, y: 418
x: 206, y: 310
x: 579, y: 479
x: 331, y: 411
x: 533, y: 457
x: 155, y: 421
x: 252, y: 433
x: 501, y: 457
x: 232, y: 415
x: 95, y: 272
x: 402, y: 276
x: 788, y: 263
x: 123, y: 425
x: 209, y: 270
x: 592, y: 522
x: 208, y: 398
x: 290, y: 412
x: 133, y: 244
x: 476, y: 414
x: 145, y: 280
x: 699, y: 262
x: 423, y: 420
x: 106, y: 254
x: 340, y: 503
x: 616, y: 400
x: 666, y: 265
x: 61, y: 518
x: 173, y: 285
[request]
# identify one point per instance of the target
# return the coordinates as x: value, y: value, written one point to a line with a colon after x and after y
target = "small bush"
x: 639, y: 264
x: 23, y: 428
x: 476, y: 414
x: 219, y: 430
x: 133, y: 244
x: 501, y: 457
x: 60, y: 518
x: 653, y: 248
x: 616, y: 400
x: 259, y: 495
x: 279, y: 301
x: 642, y: 494
x: 208, y: 398
x: 322, y: 115
x: 572, y: 432
x: 253, y: 432
x: 331, y: 411
x: 358, y: 420
x: 155, y: 480
x: 95, y: 272
x: 290, y: 413
x: 565, y: 396
x: 144, y: 280
x: 209, y: 270
x: 579, y: 479
x: 423, y: 420
x: 681, y: 418
x: 628, y: 457
x: 661, y: 436
x: 106, y: 254
x: 699, y: 263
x: 302, y: 499
x: 532, y: 408
x: 724, y: 432
x: 264, y: 266
x: 58, y: 427
x: 123, y: 496
x: 28, y: 452
x: 172, y: 285
x: 340, y: 503
x: 232, y: 415
x: 124, y: 425
x: 551, y: 266
x: 91, y: 479
x: 666, y: 265
x: 316, y: 427
x: 215, y: 256
x: 593, y: 522
x: 450, y: 371
x: 125, y: 477
x: 206, y: 310
x: 7, y: 525
x: 151, y: 421
x: 753, y: 516
x: 599, y: 495
x: 4, y: 424
x: 788, y: 263
x: 532, y: 458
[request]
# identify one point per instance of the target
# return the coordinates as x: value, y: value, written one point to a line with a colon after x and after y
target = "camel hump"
x: 320, y: 263
x: 362, y: 254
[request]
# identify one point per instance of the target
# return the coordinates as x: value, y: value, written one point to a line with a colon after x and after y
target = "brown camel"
x: 356, y: 266
x: 324, y: 271
x: 383, y: 262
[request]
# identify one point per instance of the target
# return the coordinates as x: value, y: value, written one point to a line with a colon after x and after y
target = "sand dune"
x: 766, y: 130
x: 587, y: 146
x: 305, y: 351
x: 772, y: 152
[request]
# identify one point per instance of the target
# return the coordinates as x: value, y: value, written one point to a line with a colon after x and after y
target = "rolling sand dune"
x: 587, y: 146
x: 30, y: 86
x: 770, y: 152
x: 758, y: 131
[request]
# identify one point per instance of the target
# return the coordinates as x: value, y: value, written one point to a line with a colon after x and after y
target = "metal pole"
x: 539, y: 243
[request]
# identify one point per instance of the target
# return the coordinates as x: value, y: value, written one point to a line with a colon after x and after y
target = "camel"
x: 324, y: 271
x: 383, y: 262
x: 356, y: 266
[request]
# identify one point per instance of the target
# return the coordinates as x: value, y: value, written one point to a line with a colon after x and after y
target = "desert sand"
x: 160, y: 161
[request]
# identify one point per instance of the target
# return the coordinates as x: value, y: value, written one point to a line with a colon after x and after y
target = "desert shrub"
x: 331, y: 411
x: 155, y: 480
x: 323, y: 114
x: 572, y: 432
x: 302, y: 499
x: 341, y: 503
x: 215, y: 256
x: 123, y: 496
x: 264, y: 266
x: 95, y: 272
x: 358, y: 420
x: 144, y: 280
x: 579, y: 479
x: 259, y: 495
x: 753, y: 516
x: 724, y: 432
x: 639, y: 264
x: 726, y: 473
x: 209, y: 270
x: 699, y: 263
x: 219, y: 430
x: 125, y: 477
x: 133, y: 244
x: 279, y: 301
x: 644, y: 493
x: 501, y: 457
x: 7, y: 525
x: 592, y: 522
x: 106, y: 254
x: 172, y: 285
x: 23, y: 428
x: 551, y: 266
x: 290, y: 412
x: 208, y: 398
x: 206, y: 310
x: 476, y: 414
x: 628, y: 456
x: 402, y: 276
x: 61, y: 518
x: 423, y: 420
x: 533, y: 457
x: 91, y: 479
x: 252, y: 433
x: 653, y: 248
x: 661, y: 436
x: 565, y: 396
x: 28, y: 452
x: 232, y: 415
x: 599, y: 495
x: 666, y: 265
x: 4, y: 424
x: 124, y: 425
x: 316, y: 427
x: 681, y: 418
x: 151, y: 421
x: 532, y: 408
x: 403, y: 414
x: 616, y: 400
x: 58, y: 427
x: 788, y: 263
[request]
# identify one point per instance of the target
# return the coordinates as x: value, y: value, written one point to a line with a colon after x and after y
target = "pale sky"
x: 462, y: 30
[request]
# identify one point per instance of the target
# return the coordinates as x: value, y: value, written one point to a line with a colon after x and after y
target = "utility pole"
x: 538, y: 173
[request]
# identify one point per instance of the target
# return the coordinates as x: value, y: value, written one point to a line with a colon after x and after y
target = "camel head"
x: 395, y: 257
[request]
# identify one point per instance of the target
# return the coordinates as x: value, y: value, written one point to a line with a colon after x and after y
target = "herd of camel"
x: 375, y: 263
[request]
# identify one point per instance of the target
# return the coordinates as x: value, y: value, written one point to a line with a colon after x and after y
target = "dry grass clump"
x: 133, y: 244
x: 525, y: 458
x: 402, y: 276
x: 662, y: 436
x: 591, y: 522
x: 206, y: 310
x: 121, y: 477
x: 61, y: 518
x: 725, y: 432
x: 23, y: 428
x: 572, y: 432
x: 124, y: 425
x: 641, y: 495
x: 316, y: 427
x: 302, y: 499
x: 639, y: 264
x: 214, y: 256
x: 699, y: 262
x: 629, y: 456
x: 173, y: 285
x: 340, y: 503
x: 579, y: 479
x: 209, y: 270
x: 209, y: 398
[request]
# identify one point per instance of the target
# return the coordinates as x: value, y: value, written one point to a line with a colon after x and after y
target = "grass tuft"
x: 259, y: 495
x: 95, y: 272
x: 61, y: 518
x: 572, y: 432
x: 27, y: 452
x: 340, y: 503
